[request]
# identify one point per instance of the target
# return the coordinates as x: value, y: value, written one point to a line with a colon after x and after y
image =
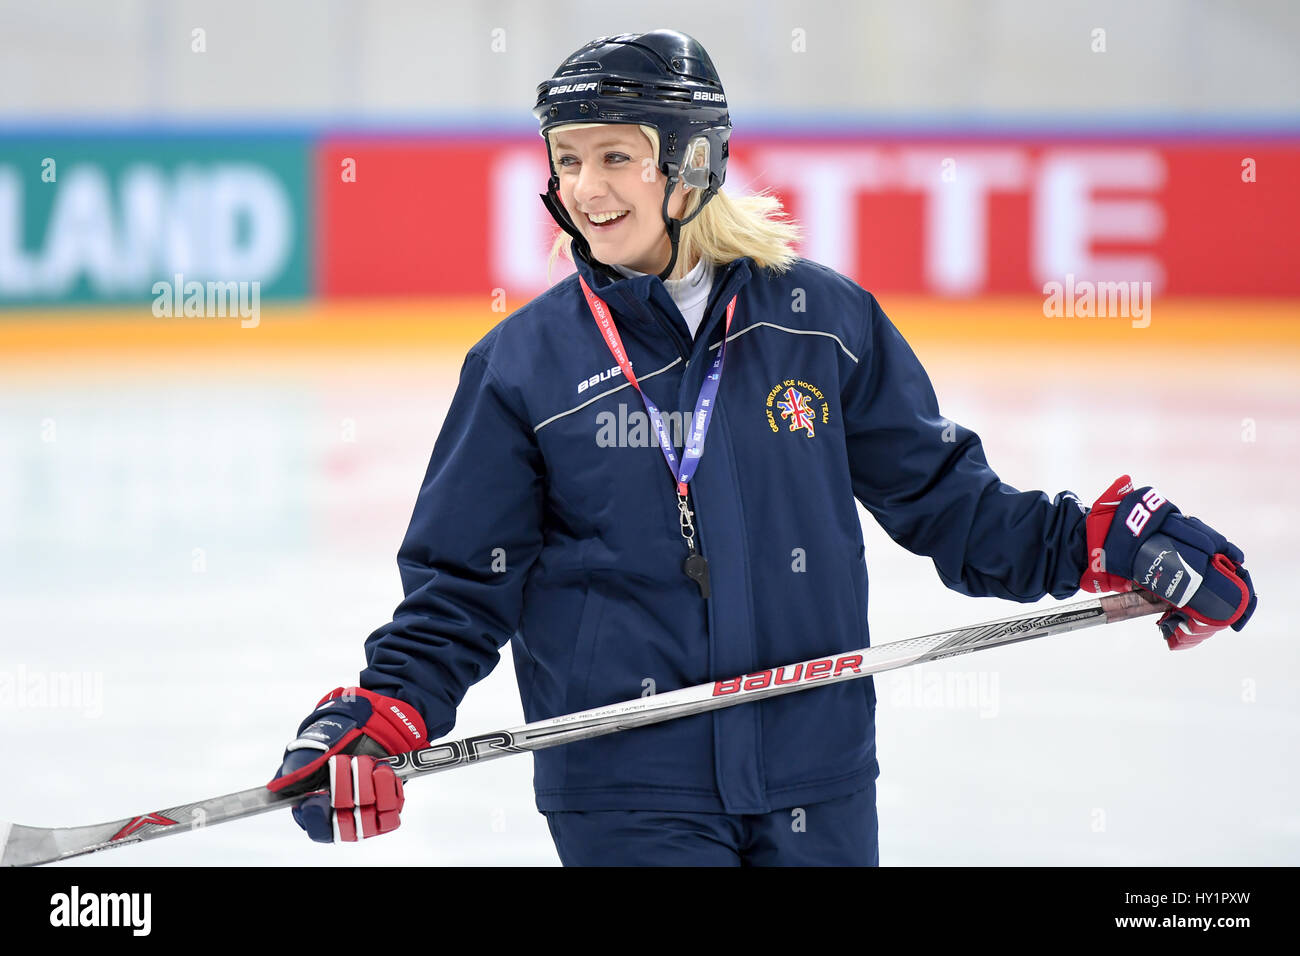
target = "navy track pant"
x: 841, y: 832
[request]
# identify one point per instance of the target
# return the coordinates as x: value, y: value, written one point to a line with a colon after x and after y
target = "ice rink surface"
x: 191, y: 556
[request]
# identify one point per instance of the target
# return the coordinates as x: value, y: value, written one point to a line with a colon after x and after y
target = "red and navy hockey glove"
x: 1137, y: 537
x: 336, y: 749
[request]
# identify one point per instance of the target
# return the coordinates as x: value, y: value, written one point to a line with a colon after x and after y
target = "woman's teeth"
x: 603, y: 218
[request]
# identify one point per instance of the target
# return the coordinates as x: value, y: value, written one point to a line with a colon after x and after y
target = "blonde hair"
x: 728, y: 228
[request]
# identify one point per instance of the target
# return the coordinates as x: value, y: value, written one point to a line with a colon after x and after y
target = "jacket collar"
x: 640, y: 297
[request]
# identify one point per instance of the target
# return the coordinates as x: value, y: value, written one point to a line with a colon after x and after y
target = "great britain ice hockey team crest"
x: 799, y: 405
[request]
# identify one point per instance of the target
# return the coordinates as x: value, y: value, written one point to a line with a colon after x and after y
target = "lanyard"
x: 682, y: 471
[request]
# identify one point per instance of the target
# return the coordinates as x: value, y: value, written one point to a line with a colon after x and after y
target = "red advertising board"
x: 957, y: 218
x: 403, y: 217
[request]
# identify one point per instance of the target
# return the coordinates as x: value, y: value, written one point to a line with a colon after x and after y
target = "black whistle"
x: 697, y: 569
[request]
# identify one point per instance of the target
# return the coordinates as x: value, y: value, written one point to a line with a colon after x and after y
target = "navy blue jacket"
x: 549, y: 517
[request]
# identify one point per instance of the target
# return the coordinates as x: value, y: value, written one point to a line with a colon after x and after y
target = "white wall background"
x: 132, y: 59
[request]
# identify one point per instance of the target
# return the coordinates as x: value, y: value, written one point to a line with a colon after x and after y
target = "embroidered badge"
x: 800, y: 405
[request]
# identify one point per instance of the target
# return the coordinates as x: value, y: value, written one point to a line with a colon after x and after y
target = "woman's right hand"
x: 340, y: 749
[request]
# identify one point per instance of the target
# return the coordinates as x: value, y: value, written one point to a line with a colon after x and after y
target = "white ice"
x: 204, y: 551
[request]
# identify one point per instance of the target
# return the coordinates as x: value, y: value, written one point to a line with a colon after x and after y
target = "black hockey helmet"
x: 662, y: 79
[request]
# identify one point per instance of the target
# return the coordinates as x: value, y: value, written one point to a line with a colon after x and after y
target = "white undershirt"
x: 690, y: 292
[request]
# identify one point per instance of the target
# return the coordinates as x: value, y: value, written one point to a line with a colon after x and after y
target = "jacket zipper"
x: 674, y: 334
x: 684, y: 345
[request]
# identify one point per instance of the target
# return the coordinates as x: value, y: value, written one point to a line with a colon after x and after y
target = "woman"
x: 547, y: 518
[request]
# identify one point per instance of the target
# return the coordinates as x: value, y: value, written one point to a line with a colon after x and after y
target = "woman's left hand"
x: 1137, y: 537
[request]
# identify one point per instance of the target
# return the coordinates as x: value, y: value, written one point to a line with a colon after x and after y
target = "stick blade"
x: 31, y: 846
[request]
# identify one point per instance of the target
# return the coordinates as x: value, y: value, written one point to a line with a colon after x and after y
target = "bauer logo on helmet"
x: 573, y: 88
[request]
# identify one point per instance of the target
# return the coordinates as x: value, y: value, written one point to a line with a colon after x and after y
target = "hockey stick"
x: 28, y: 846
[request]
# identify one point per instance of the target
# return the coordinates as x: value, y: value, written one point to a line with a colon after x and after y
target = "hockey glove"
x: 336, y: 749
x: 1137, y: 537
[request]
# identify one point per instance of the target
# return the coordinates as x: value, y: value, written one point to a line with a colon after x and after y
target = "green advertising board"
x: 116, y: 218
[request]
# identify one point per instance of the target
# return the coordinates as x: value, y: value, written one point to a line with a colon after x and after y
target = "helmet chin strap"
x: 582, y: 249
x: 674, y: 226
x: 551, y: 200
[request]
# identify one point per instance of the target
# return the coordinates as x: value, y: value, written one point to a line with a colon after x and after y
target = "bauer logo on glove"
x: 1180, y: 559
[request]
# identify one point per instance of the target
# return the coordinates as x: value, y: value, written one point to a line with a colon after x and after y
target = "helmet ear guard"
x: 696, y: 174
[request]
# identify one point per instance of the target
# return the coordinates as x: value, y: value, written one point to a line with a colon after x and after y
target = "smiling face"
x: 610, y: 169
